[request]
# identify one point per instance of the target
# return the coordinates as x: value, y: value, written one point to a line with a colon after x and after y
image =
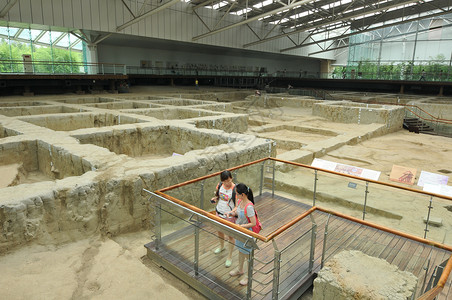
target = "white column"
x: 92, y: 60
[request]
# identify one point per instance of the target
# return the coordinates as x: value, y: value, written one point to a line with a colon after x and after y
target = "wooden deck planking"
x: 274, y: 212
x: 337, y: 239
x: 406, y: 254
x: 381, y: 243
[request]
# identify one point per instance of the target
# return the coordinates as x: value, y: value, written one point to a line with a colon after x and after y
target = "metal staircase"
x: 416, y: 125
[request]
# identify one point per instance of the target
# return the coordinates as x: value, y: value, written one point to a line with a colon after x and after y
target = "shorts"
x: 241, y: 246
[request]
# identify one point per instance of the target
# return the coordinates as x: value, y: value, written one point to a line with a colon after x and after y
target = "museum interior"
x: 119, y: 118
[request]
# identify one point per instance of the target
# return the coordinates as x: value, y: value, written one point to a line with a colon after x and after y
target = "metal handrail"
x: 421, y: 109
x: 445, y: 121
x: 362, y: 179
x: 295, y: 220
x: 432, y: 293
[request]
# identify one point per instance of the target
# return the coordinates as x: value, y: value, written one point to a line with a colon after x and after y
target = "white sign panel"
x: 444, y: 190
x: 432, y: 178
x: 345, y: 169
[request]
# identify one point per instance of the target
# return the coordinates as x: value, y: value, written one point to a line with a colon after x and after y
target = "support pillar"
x: 402, y: 89
x: 92, y: 59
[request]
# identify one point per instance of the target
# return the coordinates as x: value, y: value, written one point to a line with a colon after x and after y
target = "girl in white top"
x: 225, y: 200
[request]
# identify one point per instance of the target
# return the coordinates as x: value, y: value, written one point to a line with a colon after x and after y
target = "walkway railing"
x: 440, y: 126
x: 277, y: 276
x: 60, y: 67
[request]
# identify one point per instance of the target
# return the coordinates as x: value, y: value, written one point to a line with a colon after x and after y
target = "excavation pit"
x: 361, y: 113
x: 174, y: 113
x: 38, y: 110
x: 181, y: 102
x: 87, y: 100
x: 13, y: 104
x: 296, y: 133
x: 79, y: 121
x: 120, y: 105
x: 35, y: 161
x: 153, y: 142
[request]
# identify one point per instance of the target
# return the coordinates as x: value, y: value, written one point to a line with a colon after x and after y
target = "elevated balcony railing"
x: 439, y: 125
x: 293, y: 258
x: 60, y: 68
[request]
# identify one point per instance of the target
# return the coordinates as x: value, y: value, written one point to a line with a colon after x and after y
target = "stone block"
x: 355, y: 275
x: 434, y: 221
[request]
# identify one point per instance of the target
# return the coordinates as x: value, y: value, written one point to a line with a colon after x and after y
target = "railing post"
x: 114, y: 69
x: 201, y: 204
x: 426, y: 271
x: 273, y: 178
x: 103, y: 71
x: 430, y: 207
x: 276, y: 271
x: 315, y: 188
x: 250, y: 273
x: 262, y: 178
x: 325, y: 234
x: 158, y: 224
x: 365, y: 199
x: 313, y: 238
x: 196, y: 258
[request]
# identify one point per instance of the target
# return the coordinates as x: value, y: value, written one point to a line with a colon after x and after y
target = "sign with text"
x: 345, y: 169
x: 403, y: 174
x: 432, y: 178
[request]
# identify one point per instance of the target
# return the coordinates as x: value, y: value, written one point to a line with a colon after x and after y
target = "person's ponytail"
x: 244, y: 189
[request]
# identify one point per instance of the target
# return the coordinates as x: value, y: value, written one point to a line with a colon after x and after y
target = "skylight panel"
x: 266, y: 17
x: 220, y: 5
x: 25, y: 34
x: 242, y: 11
x: 65, y: 41
x: 263, y: 3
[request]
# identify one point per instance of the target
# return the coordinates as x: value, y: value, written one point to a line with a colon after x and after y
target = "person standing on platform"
x: 225, y: 198
x: 246, y: 218
x: 196, y: 84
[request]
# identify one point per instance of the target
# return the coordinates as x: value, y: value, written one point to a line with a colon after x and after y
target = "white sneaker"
x: 218, y: 250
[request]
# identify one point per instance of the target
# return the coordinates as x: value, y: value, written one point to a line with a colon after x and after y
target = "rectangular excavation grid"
x: 78, y: 121
x: 296, y: 133
x: 144, y: 98
x: 120, y: 105
x: 87, y: 100
x: 28, y: 103
x: 38, y: 110
x: 182, y: 102
x: 153, y: 142
x: 173, y: 113
x: 35, y: 161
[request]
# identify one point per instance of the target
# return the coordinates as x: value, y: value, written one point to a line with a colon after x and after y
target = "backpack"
x: 258, y: 227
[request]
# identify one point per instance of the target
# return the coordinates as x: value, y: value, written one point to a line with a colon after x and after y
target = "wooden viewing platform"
x: 177, y: 252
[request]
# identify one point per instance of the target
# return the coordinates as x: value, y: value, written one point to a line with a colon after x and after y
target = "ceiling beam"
x: 327, y: 22
x: 290, y: 6
x: 7, y: 8
x: 366, y: 30
x: 149, y: 13
x: 420, y: 8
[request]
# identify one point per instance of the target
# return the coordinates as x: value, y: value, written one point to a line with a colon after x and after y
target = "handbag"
x: 258, y: 227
